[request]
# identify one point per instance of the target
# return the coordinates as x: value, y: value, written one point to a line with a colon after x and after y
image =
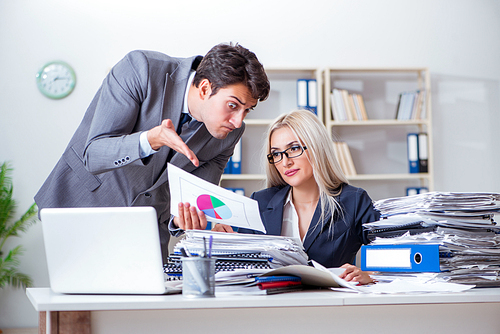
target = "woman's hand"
x: 190, y: 218
x: 223, y: 228
x: 354, y: 274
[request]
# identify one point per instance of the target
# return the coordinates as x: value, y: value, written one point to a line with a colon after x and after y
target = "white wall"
x: 458, y: 40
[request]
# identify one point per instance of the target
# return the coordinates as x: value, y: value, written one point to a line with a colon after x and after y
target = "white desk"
x: 474, y: 311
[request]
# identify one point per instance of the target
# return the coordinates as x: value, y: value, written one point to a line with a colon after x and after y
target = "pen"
x: 204, y: 247
x: 210, y: 246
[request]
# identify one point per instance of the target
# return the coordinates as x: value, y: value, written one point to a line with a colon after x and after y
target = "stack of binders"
x: 453, y: 234
x: 418, y: 152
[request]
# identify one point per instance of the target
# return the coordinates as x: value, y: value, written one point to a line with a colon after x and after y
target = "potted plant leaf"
x: 9, y: 260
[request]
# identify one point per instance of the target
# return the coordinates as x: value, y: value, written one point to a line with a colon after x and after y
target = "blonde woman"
x: 309, y: 197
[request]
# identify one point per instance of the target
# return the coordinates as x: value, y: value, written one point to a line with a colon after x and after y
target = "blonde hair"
x: 326, y: 170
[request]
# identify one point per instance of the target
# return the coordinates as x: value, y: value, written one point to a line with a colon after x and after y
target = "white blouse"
x: 290, y: 224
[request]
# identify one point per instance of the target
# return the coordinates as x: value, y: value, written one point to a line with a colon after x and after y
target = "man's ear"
x: 204, y: 89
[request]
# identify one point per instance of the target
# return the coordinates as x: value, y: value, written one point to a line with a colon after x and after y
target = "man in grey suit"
x: 132, y: 128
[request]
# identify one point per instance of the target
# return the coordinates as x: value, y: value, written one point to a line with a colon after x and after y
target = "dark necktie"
x: 184, y: 119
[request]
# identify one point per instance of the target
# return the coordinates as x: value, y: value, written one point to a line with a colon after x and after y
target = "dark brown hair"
x: 228, y: 64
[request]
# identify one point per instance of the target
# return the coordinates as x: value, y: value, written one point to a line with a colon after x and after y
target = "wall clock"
x: 56, y: 80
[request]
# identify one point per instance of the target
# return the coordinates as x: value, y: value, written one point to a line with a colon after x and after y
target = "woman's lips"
x: 291, y: 172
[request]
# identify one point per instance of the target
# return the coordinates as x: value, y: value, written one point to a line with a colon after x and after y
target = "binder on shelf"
x: 233, y: 165
x: 400, y: 258
x: 236, y: 159
x: 312, y: 96
x: 423, y: 190
x: 423, y: 153
x: 302, y: 93
x: 307, y: 95
x: 410, y: 191
x: 412, y: 143
x: 227, y: 169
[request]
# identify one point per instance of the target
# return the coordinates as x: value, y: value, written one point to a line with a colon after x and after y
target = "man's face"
x: 225, y: 111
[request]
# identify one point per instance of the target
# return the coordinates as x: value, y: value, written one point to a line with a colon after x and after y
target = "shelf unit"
x: 378, y: 145
x: 282, y: 99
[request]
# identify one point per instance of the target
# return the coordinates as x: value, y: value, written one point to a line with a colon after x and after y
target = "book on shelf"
x: 411, y: 106
x: 344, y: 158
x: 347, y: 106
x: 307, y: 95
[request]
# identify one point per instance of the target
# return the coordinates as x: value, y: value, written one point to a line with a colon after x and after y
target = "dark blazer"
x: 348, y: 234
x: 101, y: 165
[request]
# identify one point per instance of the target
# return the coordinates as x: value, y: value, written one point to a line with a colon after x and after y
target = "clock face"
x: 56, y: 80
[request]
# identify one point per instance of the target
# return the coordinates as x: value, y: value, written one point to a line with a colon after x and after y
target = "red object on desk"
x: 279, y: 284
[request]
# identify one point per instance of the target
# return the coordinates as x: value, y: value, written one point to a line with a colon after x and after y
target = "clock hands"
x: 58, y: 78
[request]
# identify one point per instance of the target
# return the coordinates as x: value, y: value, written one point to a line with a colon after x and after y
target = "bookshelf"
x: 378, y: 144
x: 282, y: 98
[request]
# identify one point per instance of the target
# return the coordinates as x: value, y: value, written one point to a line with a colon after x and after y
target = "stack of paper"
x: 280, y: 251
x: 442, y: 203
x: 461, y: 223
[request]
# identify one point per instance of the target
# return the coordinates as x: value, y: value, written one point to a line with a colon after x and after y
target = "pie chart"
x: 213, y: 207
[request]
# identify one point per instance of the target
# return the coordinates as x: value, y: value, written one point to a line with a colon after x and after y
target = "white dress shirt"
x: 290, y: 224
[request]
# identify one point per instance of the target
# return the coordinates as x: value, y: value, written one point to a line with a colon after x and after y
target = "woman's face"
x: 296, y: 171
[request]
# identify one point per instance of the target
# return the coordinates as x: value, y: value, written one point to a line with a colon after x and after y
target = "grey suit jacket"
x: 101, y: 165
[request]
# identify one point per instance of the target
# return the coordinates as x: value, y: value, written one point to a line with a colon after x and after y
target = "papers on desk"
x: 399, y: 286
x: 220, y: 205
x: 461, y: 223
x: 242, y: 282
x: 280, y: 251
x: 474, y: 204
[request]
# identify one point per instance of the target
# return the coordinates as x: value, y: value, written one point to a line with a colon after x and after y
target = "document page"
x: 219, y: 205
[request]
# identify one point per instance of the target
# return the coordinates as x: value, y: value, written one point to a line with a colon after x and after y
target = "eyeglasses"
x: 291, y: 152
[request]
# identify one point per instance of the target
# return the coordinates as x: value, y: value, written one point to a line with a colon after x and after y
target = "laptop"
x: 103, y: 250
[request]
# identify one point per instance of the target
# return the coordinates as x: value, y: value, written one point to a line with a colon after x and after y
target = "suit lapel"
x: 314, y: 228
x: 173, y: 97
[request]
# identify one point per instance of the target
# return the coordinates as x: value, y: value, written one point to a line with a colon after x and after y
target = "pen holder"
x: 198, y: 277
